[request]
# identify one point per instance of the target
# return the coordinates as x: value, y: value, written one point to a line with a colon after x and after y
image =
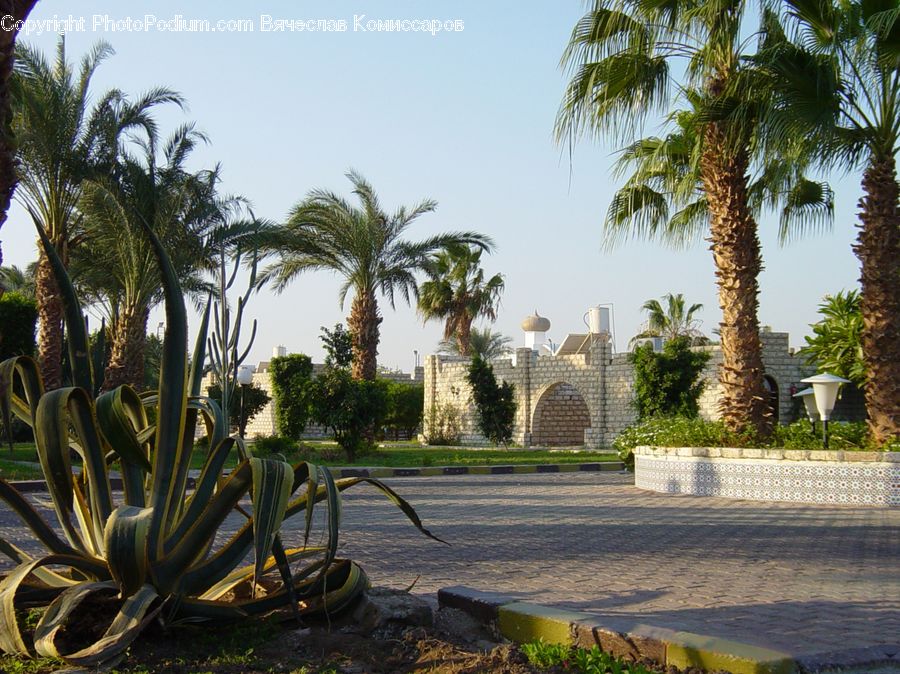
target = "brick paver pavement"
x: 800, y: 578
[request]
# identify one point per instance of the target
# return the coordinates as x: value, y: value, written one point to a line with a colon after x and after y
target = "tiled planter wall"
x: 855, y: 478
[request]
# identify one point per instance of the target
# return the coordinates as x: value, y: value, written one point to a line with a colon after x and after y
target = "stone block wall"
x: 603, y: 381
x: 560, y: 417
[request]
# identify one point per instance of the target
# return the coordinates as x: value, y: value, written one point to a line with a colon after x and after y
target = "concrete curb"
x: 524, y: 621
x: 28, y: 486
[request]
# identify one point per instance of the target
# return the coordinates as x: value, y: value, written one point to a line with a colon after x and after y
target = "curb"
x: 523, y: 621
x: 29, y: 486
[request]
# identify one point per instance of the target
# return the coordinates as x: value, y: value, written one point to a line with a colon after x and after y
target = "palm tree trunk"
x: 126, y: 360
x: 738, y: 261
x: 50, y: 333
x: 464, y: 335
x: 18, y: 9
x: 364, y: 323
x: 878, y: 250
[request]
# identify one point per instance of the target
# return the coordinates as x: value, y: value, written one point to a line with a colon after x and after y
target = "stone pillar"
x: 525, y: 358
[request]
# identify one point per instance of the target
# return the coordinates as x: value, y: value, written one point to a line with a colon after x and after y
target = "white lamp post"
x: 809, y: 401
x: 244, y: 378
x: 825, y: 389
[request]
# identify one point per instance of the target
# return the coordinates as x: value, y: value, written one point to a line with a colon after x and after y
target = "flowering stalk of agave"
x: 152, y: 552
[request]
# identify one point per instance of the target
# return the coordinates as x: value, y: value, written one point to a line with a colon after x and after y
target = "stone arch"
x: 560, y: 416
x: 774, y: 401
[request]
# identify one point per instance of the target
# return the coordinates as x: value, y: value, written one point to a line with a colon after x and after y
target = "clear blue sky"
x: 465, y: 118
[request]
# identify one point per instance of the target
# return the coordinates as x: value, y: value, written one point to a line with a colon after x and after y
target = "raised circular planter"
x: 802, y: 476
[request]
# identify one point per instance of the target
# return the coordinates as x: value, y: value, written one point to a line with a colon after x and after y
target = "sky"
x: 464, y: 117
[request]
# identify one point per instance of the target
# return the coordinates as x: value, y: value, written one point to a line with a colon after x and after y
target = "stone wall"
x: 601, y: 380
x: 560, y: 417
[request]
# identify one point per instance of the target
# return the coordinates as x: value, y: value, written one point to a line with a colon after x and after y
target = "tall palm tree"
x: 483, y: 342
x: 366, y: 247
x: 457, y: 292
x: 63, y: 140
x: 19, y: 11
x: 676, y: 320
x: 622, y: 55
x: 115, y: 261
x: 837, y: 65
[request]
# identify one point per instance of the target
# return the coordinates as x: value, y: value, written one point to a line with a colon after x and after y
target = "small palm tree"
x: 837, y: 68
x: 836, y: 344
x: 676, y: 320
x: 483, y: 343
x: 63, y: 141
x: 15, y: 279
x: 457, y: 292
x: 366, y: 247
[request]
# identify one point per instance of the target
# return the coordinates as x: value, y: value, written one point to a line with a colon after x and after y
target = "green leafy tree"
x: 676, y: 320
x: 457, y: 292
x: 366, y: 246
x: 837, y: 68
x: 338, y: 345
x: 622, y: 57
x: 405, y: 404
x: 21, y: 281
x: 291, y: 378
x: 836, y: 343
x: 349, y: 407
x: 18, y: 316
x: 668, y: 383
x: 495, y: 403
x: 483, y: 342
x: 255, y: 400
x: 63, y: 141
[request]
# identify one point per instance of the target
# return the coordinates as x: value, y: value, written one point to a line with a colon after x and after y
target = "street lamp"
x: 825, y: 389
x: 244, y: 378
x: 809, y: 401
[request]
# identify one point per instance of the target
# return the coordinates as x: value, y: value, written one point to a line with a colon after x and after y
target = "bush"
x: 349, y: 407
x: 291, y: 376
x: 668, y: 383
x: 18, y: 317
x: 268, y: 445
x: 675, y: 432
x: 495, y: 404
x: 255, y: 401
x: 443, y: 425
x: 841, y: 435
x: 405, y: 403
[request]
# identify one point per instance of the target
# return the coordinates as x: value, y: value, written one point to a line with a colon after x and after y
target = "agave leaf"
x: 10, y: 636
x: 60, y: 611
x: 30, y: 517
x: 198, y: 359
x: 245, y: 574
x: 125, y: 542
x: 29, y: 374
x: 272, y: 486
x: 45, y: 576
x: 165, y: 490
x: 76, y: 330
x: 120, y: 415
x: 136, y: 613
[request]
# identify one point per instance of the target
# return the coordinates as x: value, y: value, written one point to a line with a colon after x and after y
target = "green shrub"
x: 291, y: 376
x: 443, y: 425
x: 405, y: 403
x: 347, y: 406
x: 18, y: 317
x: 841, y: 435
x: 254, y: 399
x: 580, y: 660
x: 495, y: 404
x: 269, y: 445
x: 668, y: 383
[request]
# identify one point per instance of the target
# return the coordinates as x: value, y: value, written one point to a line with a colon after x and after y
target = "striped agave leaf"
x: 151, y: 550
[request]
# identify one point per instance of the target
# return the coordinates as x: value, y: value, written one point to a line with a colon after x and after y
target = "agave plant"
x: 152, y: 553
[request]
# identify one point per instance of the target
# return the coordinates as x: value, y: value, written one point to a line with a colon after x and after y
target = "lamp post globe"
x: 808, y: 397
x: 825, y: 390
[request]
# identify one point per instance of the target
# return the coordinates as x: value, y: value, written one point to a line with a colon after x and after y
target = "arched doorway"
x: 772, y: 388
x: 560, y: 417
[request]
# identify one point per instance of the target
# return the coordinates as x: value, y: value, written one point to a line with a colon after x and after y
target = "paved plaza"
x: 798, y: 578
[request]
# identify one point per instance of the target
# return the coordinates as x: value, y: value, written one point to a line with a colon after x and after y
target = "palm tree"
x: 838, y: 75
x: 621, y: 55
x: 366, y: 247
x: 19, y: 11
x: 676, y: 320
x: 483, y: 343
x: 115, y: 260
x: 836, y: 344
x: 62, y: 142
x: 458, y: 293
x: 15, y: 279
